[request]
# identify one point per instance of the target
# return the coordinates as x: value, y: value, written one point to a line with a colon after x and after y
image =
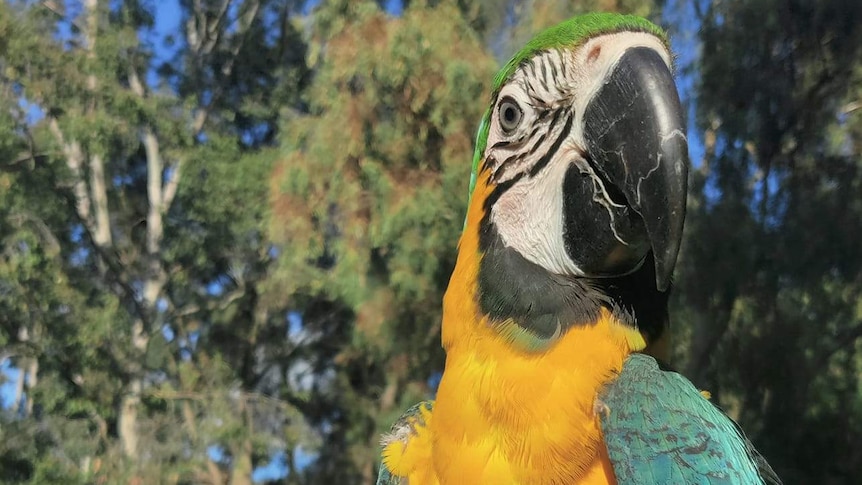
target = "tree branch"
x: 245, y: 21
x: 45, y: 234
x: 220, y: 304
x: 843, y: 340
x: 851, y: 107
x: 158, y: 204
x: 75, y: 160
x: 248, y: 396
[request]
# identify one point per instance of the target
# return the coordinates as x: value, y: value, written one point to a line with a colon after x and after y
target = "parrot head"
x: 578, y: 193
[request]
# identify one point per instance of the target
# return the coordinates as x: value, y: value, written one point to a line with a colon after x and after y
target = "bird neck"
x: 506, y: 414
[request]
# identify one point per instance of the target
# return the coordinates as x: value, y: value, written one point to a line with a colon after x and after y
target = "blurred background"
x: 226, y: 226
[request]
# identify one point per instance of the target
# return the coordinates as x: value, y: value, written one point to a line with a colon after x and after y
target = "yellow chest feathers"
x: 506, y: 416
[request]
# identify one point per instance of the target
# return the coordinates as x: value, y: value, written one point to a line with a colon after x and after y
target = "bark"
x: 127, y: 422
x: 367, y: 472
x: 242, y: 460
x: 23, y: 336
x: 214, y: 474
x: 154, y: 280
x: 32, y: 375
x: 100, y: 232
x: 242, y: 464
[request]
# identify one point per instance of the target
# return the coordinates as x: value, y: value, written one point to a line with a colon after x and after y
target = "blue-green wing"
x: 385, y: 477
x: 401, y: 431
x: 659, y: 429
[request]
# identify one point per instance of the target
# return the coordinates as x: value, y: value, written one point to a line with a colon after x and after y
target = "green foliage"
x: 363, y: 208
x: 769, y: 274
x: 122, y: 204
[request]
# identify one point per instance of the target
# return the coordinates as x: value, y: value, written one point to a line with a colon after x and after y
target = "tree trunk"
x: 32, y: 376
x: 19, y: 391
x: 127, y: 422
x: 242, y: 461
x: 242, y: 464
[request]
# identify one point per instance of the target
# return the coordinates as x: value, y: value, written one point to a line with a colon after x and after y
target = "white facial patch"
x: 529, y: 218
x: 553, y: 90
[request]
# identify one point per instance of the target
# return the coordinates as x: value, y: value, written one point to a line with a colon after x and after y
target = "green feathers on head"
x: 570, y: 33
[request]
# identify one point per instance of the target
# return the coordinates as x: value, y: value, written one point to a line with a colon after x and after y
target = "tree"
x: 770, y: 273
x: 118, y: 287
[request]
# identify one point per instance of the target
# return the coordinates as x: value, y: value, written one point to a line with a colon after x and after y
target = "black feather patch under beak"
x: 635, y: 135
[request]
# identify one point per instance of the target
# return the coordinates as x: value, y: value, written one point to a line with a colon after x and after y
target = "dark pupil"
x: 511, y: 114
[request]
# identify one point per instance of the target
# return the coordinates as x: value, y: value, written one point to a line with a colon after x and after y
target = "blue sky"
x: 8, y: 378
x: 685, y: 45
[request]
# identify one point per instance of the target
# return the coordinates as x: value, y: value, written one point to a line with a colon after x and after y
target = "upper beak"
x: 635, y: 135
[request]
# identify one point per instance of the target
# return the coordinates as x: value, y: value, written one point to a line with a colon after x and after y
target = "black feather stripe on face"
x: 552, y: 151
x: 494, y: 165
x: 530, y: 149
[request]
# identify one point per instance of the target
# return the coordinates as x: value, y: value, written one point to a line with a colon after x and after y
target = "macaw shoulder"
x: 407, y: 449
x: 659, y: 428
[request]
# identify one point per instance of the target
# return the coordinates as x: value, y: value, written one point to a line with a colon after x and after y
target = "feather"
x: 660, y: 429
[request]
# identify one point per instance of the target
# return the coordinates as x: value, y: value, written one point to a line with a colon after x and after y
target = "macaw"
x: 577, y: 203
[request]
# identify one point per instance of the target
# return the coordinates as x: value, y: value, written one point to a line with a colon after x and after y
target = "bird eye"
x: 510, y: 114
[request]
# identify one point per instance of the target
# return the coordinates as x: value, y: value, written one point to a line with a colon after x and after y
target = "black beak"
x: 636, y: 142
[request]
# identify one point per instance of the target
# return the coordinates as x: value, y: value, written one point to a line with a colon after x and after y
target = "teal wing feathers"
x: 660, y: 430
x: 385, y: 477
x: 402, y: 430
